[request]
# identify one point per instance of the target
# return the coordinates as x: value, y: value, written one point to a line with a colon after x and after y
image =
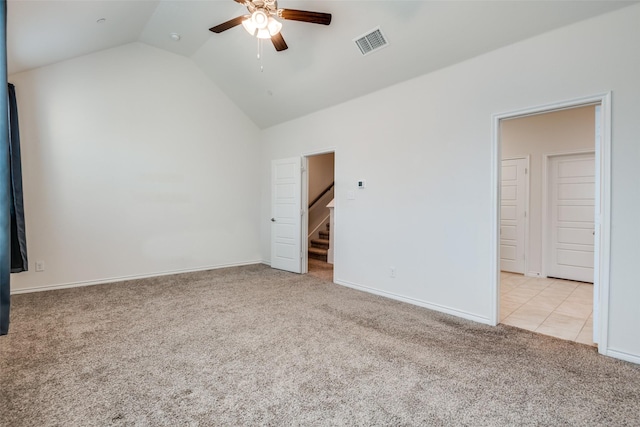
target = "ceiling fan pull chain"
x: 260, y: 55
x: 258, y: 47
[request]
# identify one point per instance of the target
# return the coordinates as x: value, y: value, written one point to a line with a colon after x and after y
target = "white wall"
x: 424, y: 147
x: 134, y: 164
x: 539, y: 135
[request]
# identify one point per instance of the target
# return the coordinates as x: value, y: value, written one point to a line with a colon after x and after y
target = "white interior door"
x: 286, y: 231
x: 513, y: 215
x: 572, y: 217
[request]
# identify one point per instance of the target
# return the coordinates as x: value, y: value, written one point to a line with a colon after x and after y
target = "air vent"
x: 370, y: 42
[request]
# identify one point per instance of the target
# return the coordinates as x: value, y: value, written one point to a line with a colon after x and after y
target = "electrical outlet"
x: 392, y: 271
x: 39, y: 265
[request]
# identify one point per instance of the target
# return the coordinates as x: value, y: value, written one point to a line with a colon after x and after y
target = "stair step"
x: 318, y: 253
x: 320, y: 243
x: 324, y: 235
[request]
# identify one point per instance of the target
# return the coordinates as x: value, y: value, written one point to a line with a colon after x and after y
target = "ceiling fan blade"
x: 306, y: 16
x: 226, y: 25
x: 279, y: 43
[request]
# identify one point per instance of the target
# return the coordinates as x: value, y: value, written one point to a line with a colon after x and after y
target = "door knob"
x: 273, y: 220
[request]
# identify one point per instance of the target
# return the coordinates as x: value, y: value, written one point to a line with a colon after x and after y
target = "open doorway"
x: 551, y: 242
x: 319, y: 219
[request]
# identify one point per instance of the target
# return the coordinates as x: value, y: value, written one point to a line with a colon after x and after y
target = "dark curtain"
x: 18, y: 234
x: 5, y: 179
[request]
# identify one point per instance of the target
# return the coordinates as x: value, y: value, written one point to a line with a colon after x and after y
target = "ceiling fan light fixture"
x: 274, y: 26
x: 261, y: 25
x: 248, y: 25
x: 263, y: 34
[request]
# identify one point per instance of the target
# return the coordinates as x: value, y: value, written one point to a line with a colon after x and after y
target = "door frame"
x: 527, y: 183
x: 546, y: 229
x: 305, y: 204
x: 603, y: 211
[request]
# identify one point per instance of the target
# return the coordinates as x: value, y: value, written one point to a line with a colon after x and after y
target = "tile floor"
x: 561, y: 308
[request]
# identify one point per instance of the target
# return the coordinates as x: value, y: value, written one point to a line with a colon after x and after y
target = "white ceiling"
x: 322, y: 66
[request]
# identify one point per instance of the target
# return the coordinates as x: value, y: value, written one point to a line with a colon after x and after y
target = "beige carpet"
x: 320, y: 269
x: 256, y: 346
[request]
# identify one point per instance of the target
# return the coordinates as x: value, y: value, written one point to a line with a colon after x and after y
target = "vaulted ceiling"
x: 321, y: 68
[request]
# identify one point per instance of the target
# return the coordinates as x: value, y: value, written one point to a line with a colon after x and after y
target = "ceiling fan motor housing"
x: 260, y: 19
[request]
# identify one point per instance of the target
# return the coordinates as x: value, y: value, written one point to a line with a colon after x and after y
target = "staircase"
x: 320, y: 247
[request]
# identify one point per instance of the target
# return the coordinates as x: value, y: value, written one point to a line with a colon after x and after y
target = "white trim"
x: 623, y: 356
x: 127, y: 278
x: 494, y: 236
x: 527, y: 209
x: 319, y: 152
x: 556, y: 106
x: 304, y: 224
x: 604, y: 258
x: 605, y: 224
x: 420, y: 303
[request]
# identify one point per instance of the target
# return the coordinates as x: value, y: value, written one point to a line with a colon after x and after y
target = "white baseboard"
x: 623, y: 356
x: 420, y: 303
x: 125, y: 278
x: 533, y: 274
x: 266, y: 262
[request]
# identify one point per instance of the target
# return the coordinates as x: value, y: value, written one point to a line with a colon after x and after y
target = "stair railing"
x: 325, y: 191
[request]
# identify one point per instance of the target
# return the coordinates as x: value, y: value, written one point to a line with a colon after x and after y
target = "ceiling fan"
x: 262, y: 23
